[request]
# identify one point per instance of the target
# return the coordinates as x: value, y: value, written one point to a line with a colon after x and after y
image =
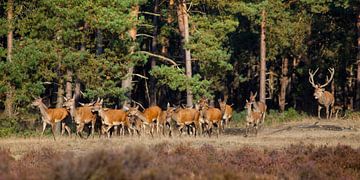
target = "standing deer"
x: 184, y: 117
x: 111, y: 117
x: 226, y: 111
x: 211, y: 116
x: 253, y: 118
x: 81, y: 115
x: 149, y: 117
x: 258, y: 106
x: 51, y: 116
x: 324, y: 98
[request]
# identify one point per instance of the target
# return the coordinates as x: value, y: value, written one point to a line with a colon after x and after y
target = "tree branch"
x: 160, y: 57
x: 139, y: 75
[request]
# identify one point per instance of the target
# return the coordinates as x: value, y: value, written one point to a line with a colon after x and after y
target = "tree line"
x: 177, y: 51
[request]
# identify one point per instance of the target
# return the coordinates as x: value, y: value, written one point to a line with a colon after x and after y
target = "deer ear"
x: 168, y: 105
x: 101, y: 101
x: 98, y: 99
x: 82, y: 104
x: 255, y: 94
x: 219, y: 100
x: 66, y: 99
x: 137, y: 107
x: 247, y: 101
x: 125, y: 108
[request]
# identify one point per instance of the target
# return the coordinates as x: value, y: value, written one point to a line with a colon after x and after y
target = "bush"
x: 17, y: 126
x: 272, y: 116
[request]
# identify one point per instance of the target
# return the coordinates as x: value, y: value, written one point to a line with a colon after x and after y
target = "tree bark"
x: 284, y: 84
x: 263, y: 59
x: 9, y: 102
x: 154, y: 50
x: 183, y: 21
x: 126, y: 83
x: 59, y: 103
x: 169, y: 20
x: 68, y: 88
x: 358, y: 62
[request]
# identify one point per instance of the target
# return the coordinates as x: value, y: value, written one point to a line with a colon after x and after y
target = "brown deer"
x: 81, y: 115
x: 211, y: 116
x: 324, y: 98
x: 149, y: 117
x: 183, y: 117
x: 226, y: 111
x: 51, y: 116
x: 111, y: 117
x: 253, y: 118
x: 258, y: 106
x: 165, y: 119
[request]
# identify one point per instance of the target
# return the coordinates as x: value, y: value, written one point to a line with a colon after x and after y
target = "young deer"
x: 111, y: 117
x: 324, y: 98
x: 51, y: 116
x: 226, y: 111
x: 253, y: 118
x: 258, y: 106
x: 149, y: 117
x: 81, y: 115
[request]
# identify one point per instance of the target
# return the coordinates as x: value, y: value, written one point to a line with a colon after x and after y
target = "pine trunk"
x: 358, y: 63
x: 154, y: 50
x: 263, y: 59
x: 9, y: 102
x: 59, y: 103
x: 284, y: 84
x: 126, y: 83
x: 68, y: 88
x: 183, y: 21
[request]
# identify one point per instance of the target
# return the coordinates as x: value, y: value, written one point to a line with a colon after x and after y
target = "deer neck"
x: 141, y: 116
x: 43, y: 111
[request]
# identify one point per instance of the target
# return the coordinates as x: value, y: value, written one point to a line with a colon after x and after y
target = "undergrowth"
x: 164, y: 161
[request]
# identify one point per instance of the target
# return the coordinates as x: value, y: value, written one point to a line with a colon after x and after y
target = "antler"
x: 332, y: 72
x: 311, y: 77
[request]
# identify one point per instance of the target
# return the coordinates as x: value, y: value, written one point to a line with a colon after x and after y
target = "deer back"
x: 114, y: 116
x: 213, y: 115
x: 84, y: 115
x: 57, y: 114
x: 184, y: 116
x: 152, y: 113
x: 326, y: 99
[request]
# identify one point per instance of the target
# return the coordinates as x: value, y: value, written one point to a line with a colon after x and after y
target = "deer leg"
x: 68, y: 130
x: 219, y: 126
x: 246, y: 130
x: 319, y: 109
x: 53, y: 130
x: 44, y: 126
x: 93, y: 128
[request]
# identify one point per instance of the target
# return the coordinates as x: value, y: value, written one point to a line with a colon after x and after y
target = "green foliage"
x: 175, y: 79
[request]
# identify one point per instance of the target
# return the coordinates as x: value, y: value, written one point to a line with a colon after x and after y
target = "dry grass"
x: 280, y: 151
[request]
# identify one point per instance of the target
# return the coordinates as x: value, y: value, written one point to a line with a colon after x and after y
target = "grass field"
x: 300, y: 150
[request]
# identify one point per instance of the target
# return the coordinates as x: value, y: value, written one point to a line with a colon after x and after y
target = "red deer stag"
x: 111, y: 117
x: 324, y: 98
x: 52, y: 116
x: 226, y: 111
x: 258, y: 106
x: 253, y: 118
x: 81, y: 115
x: 149, y: 117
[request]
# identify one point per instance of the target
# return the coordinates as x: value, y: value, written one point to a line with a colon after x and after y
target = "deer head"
x: 319, y: 89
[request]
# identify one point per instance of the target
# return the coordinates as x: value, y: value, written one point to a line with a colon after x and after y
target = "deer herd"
x: 202, y: 119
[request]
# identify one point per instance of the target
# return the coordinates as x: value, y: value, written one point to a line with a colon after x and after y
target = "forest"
x: 178, y: 51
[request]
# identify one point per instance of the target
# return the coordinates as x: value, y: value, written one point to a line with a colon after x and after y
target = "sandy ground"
x: 325, y: 132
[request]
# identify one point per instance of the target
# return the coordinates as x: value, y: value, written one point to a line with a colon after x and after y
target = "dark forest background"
x: 159, y: 51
